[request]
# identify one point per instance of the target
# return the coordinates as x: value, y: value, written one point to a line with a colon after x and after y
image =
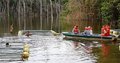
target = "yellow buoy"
x: 26, y: 45
x: 25, y: 56
x: 26, y: 50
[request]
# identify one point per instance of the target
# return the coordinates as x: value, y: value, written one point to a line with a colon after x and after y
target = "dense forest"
x: 58, y: 14
x: 93, y: 13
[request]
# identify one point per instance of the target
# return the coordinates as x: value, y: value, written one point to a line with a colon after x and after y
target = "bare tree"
x: 31, y: 1
x: 24, y: 14
x: 47, y: 15
x: 41, y: 8
x: 51, y: 7
x: 19, y: 3
x: 8, y: 14
x: 31, y: 14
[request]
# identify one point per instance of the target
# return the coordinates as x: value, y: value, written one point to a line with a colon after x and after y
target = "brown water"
x: 105, y: 52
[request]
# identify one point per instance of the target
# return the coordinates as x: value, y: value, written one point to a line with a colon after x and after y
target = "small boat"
x: 98, y: 37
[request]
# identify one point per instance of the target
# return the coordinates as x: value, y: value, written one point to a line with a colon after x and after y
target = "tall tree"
x: 19, y: 4
x: 110, y: 12
x: 51, y: 7
x: 8, y: 14
x: 31, y: 14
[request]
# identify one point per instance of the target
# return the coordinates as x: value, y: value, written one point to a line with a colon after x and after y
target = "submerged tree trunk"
x: 41, y: 14
x: 31, y: 24
x: 24, y: 14
x: 19, y: 15
x: 51, y: 7
x: 59, y: 10
x: 30, y: 14
x: 8, y: 15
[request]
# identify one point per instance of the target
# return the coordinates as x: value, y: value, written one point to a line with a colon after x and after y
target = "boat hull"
x: 94, y: 37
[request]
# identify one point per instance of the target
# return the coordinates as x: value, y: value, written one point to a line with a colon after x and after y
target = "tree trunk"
x: 41, y: 14
x: 24, y: 14
x: 47, y: 17
x: 19, y: 15
x: 8, y: 15
x: 59, y: 23
x: 31, y: 15
x: 51, y: 7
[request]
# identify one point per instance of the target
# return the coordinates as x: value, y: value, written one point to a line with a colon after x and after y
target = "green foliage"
x: 64, y: 1
x: 110, y: 10
x: 106, y: 11
x: 118, y: 7
x: 65, y: 11
x: 66, y: 26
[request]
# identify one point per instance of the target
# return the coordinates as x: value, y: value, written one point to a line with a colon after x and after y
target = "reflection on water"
x: 104, y: 52
x: 107, y: 53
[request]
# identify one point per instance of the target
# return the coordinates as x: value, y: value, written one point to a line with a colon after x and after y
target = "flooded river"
x: 46, y: 48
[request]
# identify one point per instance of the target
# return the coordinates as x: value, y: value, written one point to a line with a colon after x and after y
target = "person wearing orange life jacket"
x: 88, y: 31
x: 85, y: 31
x: 76, y: 30
x: 105, y: 30
x: 108, y: 30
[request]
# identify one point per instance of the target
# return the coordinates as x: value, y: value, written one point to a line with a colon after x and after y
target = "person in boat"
x: 28, y: 34
x: 85, y: 31
x: 76, y: 30
x: 88, y: 31
x: 105, y: 30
